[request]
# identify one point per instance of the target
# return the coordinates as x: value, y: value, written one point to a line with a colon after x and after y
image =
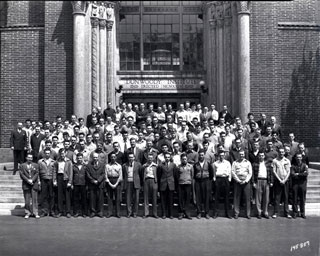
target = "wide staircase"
x: 12, y: 201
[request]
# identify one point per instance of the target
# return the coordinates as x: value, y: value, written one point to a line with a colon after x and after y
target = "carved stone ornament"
x: 213, y: 23
x: 94, y: 22
x: 109, y: 24
x: 79, y: 7
x: 102, y: 23
x: 243, y: 7
x: 109, y: 13
x: 94, y: 10
x: 102, y: 11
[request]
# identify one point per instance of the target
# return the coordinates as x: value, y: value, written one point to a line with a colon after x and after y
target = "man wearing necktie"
x: 132, y: 171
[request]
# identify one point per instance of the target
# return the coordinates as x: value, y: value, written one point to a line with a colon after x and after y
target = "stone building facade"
x: 64, y: 57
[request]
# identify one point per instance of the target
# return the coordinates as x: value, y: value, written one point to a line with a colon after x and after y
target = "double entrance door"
x: 159, y: 99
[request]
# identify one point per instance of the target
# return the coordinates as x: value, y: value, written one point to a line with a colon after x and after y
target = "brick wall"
x: 284, y: 82
x: 22, y: 70
x: 58, y: 59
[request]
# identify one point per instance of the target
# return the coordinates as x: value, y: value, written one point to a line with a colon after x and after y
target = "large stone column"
x: 103, y: 58
x: 110, y: 80
x: 95, y: 56
x: 79, y: 87
x: 244, y: 58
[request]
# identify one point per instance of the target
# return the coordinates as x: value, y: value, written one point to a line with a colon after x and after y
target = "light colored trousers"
x: 262, y: 196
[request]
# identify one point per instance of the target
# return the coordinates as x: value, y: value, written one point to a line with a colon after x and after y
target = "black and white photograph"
x: 160, y: 128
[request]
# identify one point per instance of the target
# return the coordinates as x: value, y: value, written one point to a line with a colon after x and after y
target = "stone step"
x: 6, y: 182
x: 312, y: 200
x: 18, y: 200
x: 313, y: 182
x: 10, y: 188
x: 10, y: 177
x: 12, y: 193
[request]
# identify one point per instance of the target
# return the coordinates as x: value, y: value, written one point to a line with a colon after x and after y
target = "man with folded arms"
x: 241, y: 172
x: 222, y: 179
x: 281, y: 170
x: 46, y: 170
x: 113, y: 183
x: 299, y: 173
x: 262, y: 181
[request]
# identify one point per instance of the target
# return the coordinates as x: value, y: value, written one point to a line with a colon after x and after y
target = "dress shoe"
x: 215, y: 215
x: 27, y: 216
x: 248, y: 217
x: 288, y: 216
x: 236, y: 216
x: 294, y: 216
x: 207, y: 216
x: 58, y: 215
x: 171, y: 217
x: 108, y: 215
x: 303, y: 216
x: 180, y: 217
x: 134, y: 215
x: 199, y: 216
x: 68, y: 215
x: 259, y: 217
x: 188, y: 217
x: 37, y: 216
x: 76, y: 215
x: 274, y: 216
x: 42, y: 215
x: 128, y: 215
x: 84, y: 215
x: 118, y: 216
x: 144, y: 216
x: 266, y: 216
x: 92, y: 215
x: 164, y: 217
x: 156, y: 216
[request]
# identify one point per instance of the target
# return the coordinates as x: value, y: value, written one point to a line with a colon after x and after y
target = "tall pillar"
x: 110, y: 80
x: 95, y: 56
x: 244, y: 58
x: 79, y: 87
x: 102, y: 58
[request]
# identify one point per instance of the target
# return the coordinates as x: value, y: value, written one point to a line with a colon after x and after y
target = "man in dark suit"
x: 138, y: 153
x: 150, y: 149
x: 109, y: 111
x: 263, y: 123
x: 96, y: 184
x: 275, y: 126
x: 29, y: 173
x: 35, y: 142
x: 203, y: 175
x: 94, y: 113
x: 132, y: 171
x: 166, y: 173
x: 18, y: 143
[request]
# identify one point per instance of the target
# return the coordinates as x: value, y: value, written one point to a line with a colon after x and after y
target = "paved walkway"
x: 76, y: 237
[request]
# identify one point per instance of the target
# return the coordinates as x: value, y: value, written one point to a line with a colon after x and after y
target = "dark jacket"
x: 302, y: 170
x: 18, y: 140
x: 33, y: 174
x: 137, y: 172
x: 79, y: 175
x: 202, y: 173
x: 138, y: 155
x: 67, y: 173
x: 255, y: 172
x: 96, y: 173
x: 166, y: 176
x: 35, y: 143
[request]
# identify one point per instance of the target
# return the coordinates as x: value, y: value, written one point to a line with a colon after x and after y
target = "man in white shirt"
x: 222, y: 179
x: 241, y: 173
x: 281, y: 170
x: 214, y: 113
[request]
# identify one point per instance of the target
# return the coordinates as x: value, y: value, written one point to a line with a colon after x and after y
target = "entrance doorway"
x: 160, y: 99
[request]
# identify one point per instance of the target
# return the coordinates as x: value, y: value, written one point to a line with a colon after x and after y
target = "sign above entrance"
x: 161, y: 84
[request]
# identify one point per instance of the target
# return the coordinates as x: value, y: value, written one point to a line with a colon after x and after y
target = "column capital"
x: 243, y: 7
x: 79, y: 7
x: 109, y: 24
x: 102, y: 23
x: 94, y: 22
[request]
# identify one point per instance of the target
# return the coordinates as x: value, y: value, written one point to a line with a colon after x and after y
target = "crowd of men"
x: 195, y: 154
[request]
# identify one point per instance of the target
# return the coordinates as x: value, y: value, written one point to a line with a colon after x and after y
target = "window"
x: 167, y: 38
